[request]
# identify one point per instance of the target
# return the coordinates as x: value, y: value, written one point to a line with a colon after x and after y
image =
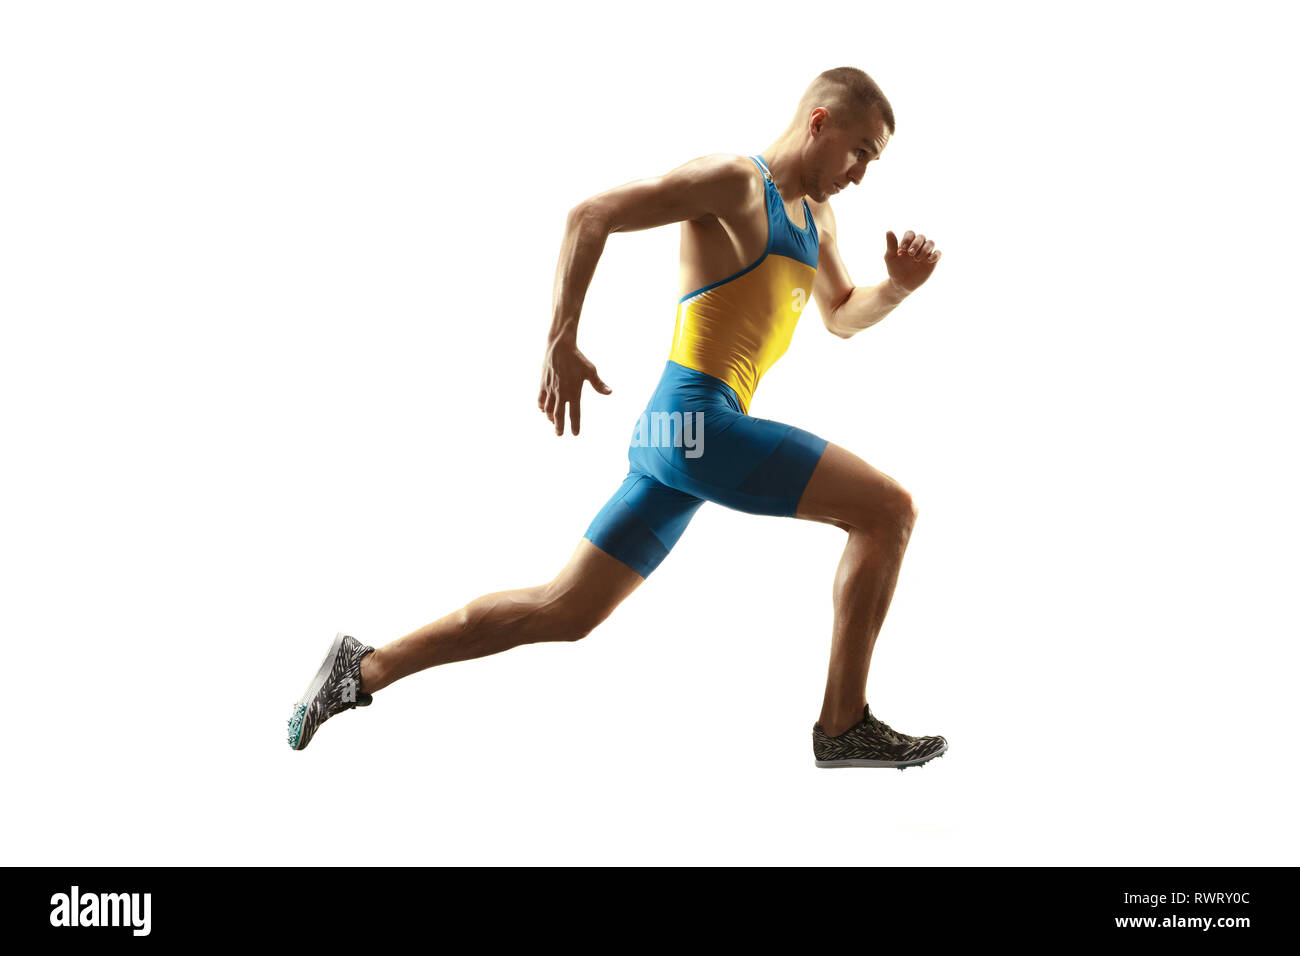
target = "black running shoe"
x: 873, y: 743
x: 335, y: 688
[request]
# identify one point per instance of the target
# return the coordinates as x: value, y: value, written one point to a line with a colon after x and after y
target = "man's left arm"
x: 848, y: 309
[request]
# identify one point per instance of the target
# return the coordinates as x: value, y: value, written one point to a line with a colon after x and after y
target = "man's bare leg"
x: 567, y: 608
x: 878, y: 515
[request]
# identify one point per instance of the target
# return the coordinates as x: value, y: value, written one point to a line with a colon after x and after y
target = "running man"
x: 757, y: 242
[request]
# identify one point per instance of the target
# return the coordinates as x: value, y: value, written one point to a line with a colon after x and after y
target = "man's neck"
x: 782, y: 159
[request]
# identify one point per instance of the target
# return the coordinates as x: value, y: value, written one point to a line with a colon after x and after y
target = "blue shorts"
x: 693, y: 444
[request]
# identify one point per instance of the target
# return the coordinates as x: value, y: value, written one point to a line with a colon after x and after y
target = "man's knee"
x: 893, y: 513
x: 572, y: 616
x: 907, y: 510
x: 577, y: 631
x: 574, y: 627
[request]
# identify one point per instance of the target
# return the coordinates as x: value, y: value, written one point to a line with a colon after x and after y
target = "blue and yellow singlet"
x: 736, y: 328
x: 695, y: 441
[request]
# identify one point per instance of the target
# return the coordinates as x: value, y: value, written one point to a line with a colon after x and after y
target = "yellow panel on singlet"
x: 737, y: 328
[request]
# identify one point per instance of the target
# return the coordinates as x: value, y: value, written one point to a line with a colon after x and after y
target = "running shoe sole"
x: 882, y: 764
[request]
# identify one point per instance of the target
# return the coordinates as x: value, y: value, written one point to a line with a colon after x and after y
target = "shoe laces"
x: 880, y: 727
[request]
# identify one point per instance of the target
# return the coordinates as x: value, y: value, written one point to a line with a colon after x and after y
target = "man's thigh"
x: 641, y: 522
x: 847, y: 492
x: 749, y: 464
x: 593, y: 584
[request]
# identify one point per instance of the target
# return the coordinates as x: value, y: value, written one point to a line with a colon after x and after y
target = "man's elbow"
x: 588, y: 215
x: 832, y: 322
x: 581, y: 211
x: 838, y: 332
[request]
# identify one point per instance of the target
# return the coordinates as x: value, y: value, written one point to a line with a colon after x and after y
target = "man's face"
x: 843, y: 152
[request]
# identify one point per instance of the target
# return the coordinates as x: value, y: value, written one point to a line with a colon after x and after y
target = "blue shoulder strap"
x: 812, y: 223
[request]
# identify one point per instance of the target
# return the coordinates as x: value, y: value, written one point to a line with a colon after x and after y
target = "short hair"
x: 845, y: 91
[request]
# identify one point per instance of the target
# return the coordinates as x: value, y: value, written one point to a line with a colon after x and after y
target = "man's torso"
x: 712, y: 250
x: 746, y: 278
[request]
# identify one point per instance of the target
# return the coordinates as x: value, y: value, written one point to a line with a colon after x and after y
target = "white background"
x: 276, y: 282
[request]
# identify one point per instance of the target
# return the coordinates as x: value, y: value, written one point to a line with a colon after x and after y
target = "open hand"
x: 564, y: 371
x: 911, y: 261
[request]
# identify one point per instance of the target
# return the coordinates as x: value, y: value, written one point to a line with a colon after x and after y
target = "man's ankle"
x: 834, y: 728
x: 371, y: 675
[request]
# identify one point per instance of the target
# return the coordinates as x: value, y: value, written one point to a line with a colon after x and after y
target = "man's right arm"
x: 718, y: 185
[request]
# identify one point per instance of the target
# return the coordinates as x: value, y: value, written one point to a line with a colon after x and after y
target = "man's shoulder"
x: 739, y: 160
x: 727, y: 165
x: 731, y: 180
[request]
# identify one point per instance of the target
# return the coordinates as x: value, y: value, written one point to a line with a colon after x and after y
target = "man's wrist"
x: 898, y: 292
x: 563, y: 331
